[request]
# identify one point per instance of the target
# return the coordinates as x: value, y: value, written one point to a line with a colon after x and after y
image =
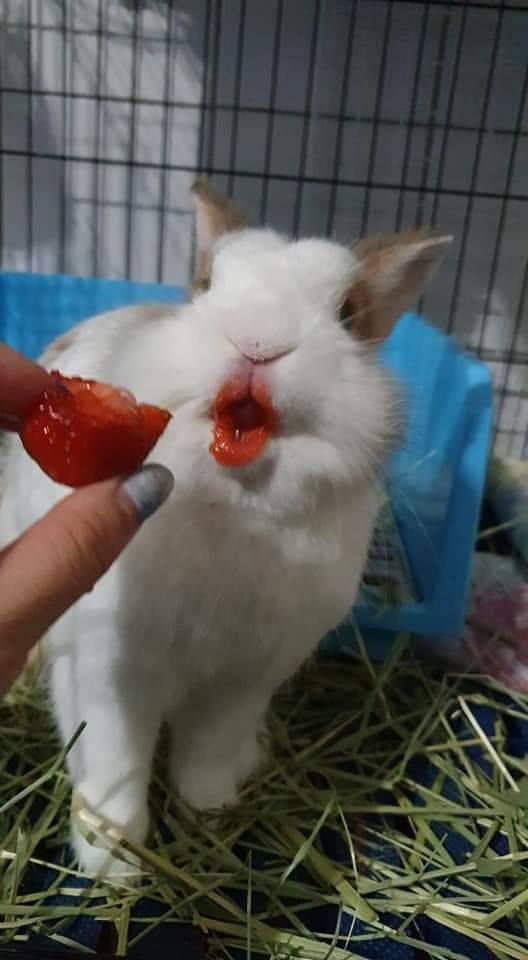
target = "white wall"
x: 86, y: 213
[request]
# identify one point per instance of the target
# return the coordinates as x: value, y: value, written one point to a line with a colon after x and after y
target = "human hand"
x: 63, y: 555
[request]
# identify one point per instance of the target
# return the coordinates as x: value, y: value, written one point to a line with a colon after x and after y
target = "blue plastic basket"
x: 437, y: 478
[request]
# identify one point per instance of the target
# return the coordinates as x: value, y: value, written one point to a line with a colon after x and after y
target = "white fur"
x: 226, y: 590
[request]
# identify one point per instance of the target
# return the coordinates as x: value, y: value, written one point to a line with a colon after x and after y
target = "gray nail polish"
x: 148, y: 488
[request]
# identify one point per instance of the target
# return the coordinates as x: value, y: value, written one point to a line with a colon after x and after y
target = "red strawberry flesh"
x: 81, y: 431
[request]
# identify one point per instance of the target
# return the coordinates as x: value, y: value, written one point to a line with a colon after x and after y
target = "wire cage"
x: 336, y: 117
x: 329, y: 117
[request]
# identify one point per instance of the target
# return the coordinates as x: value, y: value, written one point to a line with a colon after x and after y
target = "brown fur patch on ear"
x: 222, y: 213
x: 215, y: 215
x: 357, y: 311
x: 393, y: 271
x: 377, y: 245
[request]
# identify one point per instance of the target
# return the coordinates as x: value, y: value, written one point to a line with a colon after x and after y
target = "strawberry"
x: 81, y: 431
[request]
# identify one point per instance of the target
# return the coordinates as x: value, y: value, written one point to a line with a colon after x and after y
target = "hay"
x: 373, y: 770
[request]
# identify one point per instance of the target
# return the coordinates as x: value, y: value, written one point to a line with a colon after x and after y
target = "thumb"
x: 63, y: 555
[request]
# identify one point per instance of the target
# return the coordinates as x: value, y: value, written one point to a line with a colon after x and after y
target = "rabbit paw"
x: 207, y: 786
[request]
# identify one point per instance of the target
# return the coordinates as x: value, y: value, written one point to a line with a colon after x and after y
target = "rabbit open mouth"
x: 244, y: 420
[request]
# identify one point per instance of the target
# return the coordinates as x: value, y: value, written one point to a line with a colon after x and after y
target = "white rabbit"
x: 227, y: 590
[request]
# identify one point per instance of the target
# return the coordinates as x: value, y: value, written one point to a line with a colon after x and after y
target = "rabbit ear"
x: 393, y: 270
x: 215, y: 215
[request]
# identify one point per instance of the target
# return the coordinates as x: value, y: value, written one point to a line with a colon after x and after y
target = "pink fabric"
x: 496, y: 636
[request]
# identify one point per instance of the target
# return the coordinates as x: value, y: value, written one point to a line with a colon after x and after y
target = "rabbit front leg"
x: 110, y: 764
x: 215, y: 743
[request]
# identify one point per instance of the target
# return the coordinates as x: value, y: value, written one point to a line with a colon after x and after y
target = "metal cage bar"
x: 334, y: 118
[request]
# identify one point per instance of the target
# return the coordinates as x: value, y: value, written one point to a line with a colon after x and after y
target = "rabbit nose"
x: 258, y: 352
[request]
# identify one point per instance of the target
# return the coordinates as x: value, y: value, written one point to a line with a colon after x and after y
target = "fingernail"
x: 148, y: 488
